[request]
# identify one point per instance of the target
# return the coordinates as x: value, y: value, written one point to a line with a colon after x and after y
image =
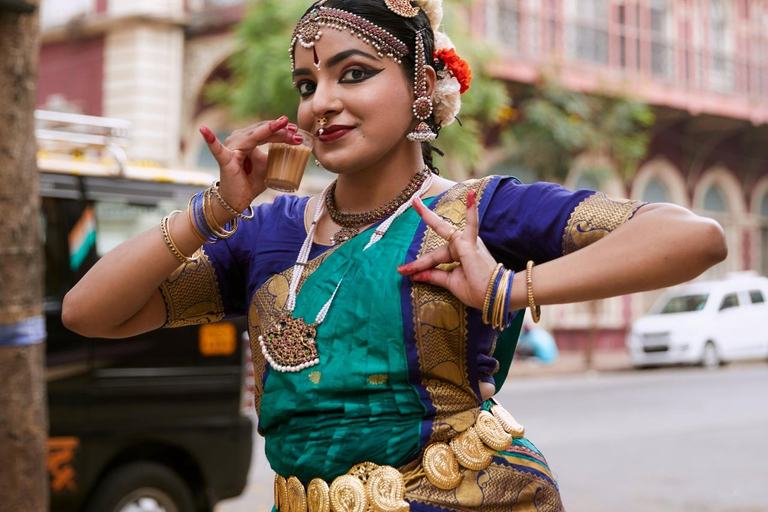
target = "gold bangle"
x: 487, y: 302
x: 215, y: 190
x: 192, y: 223
x: 165, y: 230
x: 210, y: 218
x: 498, y: 307
x: 535, y: 310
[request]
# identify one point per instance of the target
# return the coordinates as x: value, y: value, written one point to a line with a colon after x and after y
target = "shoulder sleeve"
x: 213, y: 286
x: 544, y: 221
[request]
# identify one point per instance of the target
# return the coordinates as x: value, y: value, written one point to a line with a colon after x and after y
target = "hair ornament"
x: 310, y: 28
x: 452, y: 80
x: 434, y: 11
x: 402, y: 8
x: 457, y: 67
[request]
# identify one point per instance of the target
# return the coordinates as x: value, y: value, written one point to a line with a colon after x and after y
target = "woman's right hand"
x: 242, y: 167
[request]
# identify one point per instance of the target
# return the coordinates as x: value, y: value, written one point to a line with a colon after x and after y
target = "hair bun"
x: 434, y: 11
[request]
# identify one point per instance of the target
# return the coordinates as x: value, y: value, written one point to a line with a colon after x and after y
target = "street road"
x: 669, y: 440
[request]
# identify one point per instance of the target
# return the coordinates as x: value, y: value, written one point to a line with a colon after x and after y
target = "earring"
x: 422, y: 107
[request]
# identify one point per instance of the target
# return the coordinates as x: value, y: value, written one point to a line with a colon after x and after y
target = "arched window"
x: 656, y: 192
x: 714, y: 200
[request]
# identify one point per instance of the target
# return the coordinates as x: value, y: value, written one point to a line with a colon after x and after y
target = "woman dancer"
x: 375, y: 308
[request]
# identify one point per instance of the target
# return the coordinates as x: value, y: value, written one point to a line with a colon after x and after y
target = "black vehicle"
x: 157, y: 422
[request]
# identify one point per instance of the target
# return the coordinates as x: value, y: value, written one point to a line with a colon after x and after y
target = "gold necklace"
x: 351, y: 222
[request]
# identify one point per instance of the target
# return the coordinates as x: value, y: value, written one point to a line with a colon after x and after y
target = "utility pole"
x: 23, y: 404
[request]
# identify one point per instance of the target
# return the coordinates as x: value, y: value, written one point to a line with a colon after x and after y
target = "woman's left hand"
x: 469, y: 280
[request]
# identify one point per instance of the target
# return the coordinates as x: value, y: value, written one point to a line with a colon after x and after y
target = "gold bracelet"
x: 487, y: 302
x: 210, y: 218
x: 164, y: 229
x: 215, y: 190
x: 498, y: 305
x: 535, y: 310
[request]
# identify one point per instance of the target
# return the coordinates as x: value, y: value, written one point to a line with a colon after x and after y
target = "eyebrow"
x: 339, y: 57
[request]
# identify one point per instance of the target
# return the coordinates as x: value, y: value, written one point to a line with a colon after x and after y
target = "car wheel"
x: 710, y: 359
x: 142, y: 487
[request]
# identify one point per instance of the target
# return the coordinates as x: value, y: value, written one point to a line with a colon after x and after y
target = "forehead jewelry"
x: 310, y: 28
x: 422, y: 106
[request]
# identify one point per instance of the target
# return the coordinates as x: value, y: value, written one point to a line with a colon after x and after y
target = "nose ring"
x: 322, y: 122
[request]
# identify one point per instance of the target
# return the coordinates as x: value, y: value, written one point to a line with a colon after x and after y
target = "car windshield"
x: 685, y: 304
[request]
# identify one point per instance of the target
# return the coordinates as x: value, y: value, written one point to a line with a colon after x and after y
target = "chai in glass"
x: 286, y: 163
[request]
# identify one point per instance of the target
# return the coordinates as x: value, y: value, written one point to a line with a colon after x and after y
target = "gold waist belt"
x: 368, y: 486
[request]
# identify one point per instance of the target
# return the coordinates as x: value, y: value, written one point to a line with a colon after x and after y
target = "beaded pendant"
x: 290, y: 344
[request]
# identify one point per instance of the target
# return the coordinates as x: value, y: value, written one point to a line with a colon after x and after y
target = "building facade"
x: 701, y: 64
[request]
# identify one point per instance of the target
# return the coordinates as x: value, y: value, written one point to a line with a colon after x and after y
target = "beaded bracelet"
x: 535, y: 310
x: 226, y: 206
x: 489, y: 293
x: 164, y: 229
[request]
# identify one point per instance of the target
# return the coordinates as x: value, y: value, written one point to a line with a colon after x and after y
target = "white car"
x: 705, y: 323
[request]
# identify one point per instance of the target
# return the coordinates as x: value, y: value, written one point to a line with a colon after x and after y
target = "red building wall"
x: 75, y: 70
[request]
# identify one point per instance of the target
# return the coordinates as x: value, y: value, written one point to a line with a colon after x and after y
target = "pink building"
x: 702, y: 65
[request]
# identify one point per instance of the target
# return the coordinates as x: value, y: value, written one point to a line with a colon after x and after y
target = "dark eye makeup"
x: 353, y: 75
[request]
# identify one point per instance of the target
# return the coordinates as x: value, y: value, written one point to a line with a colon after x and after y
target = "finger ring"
x: 453, y: 232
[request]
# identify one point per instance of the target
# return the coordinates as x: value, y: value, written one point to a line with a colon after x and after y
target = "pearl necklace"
x: 290, y: 344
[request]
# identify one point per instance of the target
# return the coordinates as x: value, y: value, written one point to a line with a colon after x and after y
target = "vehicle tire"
x: 142, y: 487
x: 710, y: 359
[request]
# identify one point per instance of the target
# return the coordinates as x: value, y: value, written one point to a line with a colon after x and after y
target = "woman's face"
x: 365, y: 98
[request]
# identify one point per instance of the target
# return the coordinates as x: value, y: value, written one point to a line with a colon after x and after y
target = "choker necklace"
x: 351, y: 222
x: 290, y: 344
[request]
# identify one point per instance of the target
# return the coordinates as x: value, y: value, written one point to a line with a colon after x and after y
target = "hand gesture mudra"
x: 242, y: 167
x: 469, y: 280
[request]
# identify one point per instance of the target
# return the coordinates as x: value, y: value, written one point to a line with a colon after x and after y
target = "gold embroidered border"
x: 191, y: 294
x: 440, y: 325
x: 268, y: 301
x: 497, y: 488
x: 595, y: 217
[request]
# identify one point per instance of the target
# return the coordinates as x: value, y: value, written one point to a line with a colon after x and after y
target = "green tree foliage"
x: 557, y: 125
x: 261, y: 84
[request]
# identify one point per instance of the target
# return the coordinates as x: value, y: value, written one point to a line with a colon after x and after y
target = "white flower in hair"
x: 447, y: 99
x: 434, y: 11
x: 442, y: 41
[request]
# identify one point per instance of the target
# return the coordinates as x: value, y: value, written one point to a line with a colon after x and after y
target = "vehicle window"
x: 756, y: 296
x: 729, y: 301
x: 685, y: 304
x: 117, y: 222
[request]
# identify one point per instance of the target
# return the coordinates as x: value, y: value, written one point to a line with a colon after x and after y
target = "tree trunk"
x: 23, y: 417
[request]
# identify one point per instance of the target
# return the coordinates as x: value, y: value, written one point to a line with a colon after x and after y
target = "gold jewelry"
x: 192, y: 223
x: 322, y: 121
x: 215, y: 190
x: 402, y: 8
x: 454, y: 229
x: 470, y: 450
x: 310, y: 28
x: 489, y: 291
x: 499, y: 305
x: 535, y: 310
x: 491, y: 432
x: 422, y: 106
x: 164, y: 229
x: 441, y: 466
x: 210, y: 218
x: 351, y: 222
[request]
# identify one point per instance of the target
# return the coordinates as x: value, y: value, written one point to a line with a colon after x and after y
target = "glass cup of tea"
x: 286, y: 163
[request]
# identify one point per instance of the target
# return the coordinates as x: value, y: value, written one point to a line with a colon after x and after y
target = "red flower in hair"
x: 457, y: 67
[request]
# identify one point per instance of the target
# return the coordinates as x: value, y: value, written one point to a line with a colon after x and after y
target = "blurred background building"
x: 701, y: 64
